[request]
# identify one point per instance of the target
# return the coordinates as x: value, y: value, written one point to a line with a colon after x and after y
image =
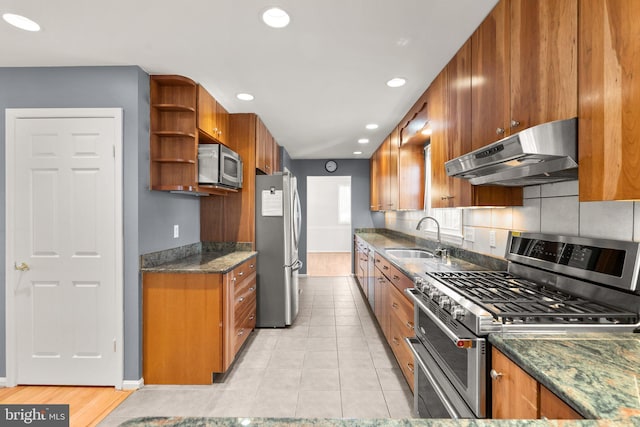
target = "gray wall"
x: 148, y: 217
x: 358, y: 170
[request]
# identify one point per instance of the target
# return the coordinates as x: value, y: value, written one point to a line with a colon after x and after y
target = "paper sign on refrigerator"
x: 272, y: 203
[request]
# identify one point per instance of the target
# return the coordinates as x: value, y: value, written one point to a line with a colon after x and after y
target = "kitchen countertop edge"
x: 206, y: 262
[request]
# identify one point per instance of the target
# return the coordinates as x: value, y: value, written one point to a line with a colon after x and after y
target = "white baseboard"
x: 3, y: 381
x: 133, y: 384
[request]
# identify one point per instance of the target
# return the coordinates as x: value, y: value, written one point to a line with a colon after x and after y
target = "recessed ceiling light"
x: 396, y: 82
x: 276, y: 17
x: 363, y: 141
x: 357, y: 152
x: 21, y: 22
x: 371, y: 126
x: 245, y: 97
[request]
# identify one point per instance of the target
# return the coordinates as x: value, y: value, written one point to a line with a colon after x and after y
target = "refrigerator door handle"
x: 296, y: 265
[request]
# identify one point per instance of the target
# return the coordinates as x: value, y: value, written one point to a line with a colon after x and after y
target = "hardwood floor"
x: 87, y: 405
x: 329, y: 263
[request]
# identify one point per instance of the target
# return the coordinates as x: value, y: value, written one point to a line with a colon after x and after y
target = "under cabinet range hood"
x: 538, y: 155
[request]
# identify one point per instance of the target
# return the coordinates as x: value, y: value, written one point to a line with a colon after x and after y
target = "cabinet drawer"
x: 402, y: 309
x: 394, y: 275
x: 398, y: 332
x: 245, y: 322
x: 244, y: 293
x: 242, y: 271
x: 240, y: 288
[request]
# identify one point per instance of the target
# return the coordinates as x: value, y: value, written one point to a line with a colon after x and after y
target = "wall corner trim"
x: 130, y: 384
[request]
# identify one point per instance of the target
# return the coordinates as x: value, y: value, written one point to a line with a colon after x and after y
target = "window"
x: 450, y: 219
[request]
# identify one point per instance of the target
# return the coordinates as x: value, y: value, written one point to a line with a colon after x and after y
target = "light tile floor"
x: 333, y: 362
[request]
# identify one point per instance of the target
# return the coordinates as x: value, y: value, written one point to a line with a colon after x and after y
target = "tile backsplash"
x: 549, y: 208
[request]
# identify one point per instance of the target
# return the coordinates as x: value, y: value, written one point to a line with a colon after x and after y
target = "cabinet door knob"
x: 514, y: 124
x: 495, y: 374
x: 500, y: 131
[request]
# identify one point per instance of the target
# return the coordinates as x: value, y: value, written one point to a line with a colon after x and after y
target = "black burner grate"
x: 512, y: 299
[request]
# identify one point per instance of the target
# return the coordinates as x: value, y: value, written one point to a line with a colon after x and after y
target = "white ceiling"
x: 316, y: 83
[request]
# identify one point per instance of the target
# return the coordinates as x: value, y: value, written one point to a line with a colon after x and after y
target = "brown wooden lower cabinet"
x: 394, y: 312
x: 517, y: 395
x: 193, y: 324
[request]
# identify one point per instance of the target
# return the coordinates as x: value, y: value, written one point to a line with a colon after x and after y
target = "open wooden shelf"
x: 188, y: 161
x: 174, y: 107
x: 173, y: 133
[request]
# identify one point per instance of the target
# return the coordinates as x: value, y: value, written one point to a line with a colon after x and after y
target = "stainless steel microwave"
x: 219, y: 165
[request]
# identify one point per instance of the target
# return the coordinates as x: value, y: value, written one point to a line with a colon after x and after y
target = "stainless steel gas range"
x: 552, y: 284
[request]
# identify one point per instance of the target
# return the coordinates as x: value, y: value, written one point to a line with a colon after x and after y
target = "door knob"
x: 22, y: 267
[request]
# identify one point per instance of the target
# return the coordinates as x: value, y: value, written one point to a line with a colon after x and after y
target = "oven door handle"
x: 436, y: 387
x: 458, y: 341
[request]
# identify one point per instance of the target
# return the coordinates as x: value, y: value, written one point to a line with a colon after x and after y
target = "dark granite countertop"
x: 201, y: 257
x: 324, y: 422
x: 206, y: 262
x: 379, y: 241
x: 598, y: 373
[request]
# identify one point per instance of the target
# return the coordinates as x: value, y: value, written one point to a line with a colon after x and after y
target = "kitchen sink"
x: 408, y: 253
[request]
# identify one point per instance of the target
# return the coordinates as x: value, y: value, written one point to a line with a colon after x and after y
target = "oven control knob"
x: 445, y: 302
x: 434, y: 294
x: 458, y: 312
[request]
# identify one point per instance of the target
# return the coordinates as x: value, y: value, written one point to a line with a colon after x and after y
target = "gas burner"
x: 514, y: 300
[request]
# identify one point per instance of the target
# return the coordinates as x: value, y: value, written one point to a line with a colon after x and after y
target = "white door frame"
x: 11, y: 116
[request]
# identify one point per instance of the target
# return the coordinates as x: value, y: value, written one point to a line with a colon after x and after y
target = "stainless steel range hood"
x: 538, y: 155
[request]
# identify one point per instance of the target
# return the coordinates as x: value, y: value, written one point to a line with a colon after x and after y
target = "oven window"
x: 456, y: 359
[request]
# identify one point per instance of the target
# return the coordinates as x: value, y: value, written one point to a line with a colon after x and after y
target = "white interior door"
x: 64, y: 253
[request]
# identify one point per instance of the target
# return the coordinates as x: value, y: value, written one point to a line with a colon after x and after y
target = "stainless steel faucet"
x: 440, y: 251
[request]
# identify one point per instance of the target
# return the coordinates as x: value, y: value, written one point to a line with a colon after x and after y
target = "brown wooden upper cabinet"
x: 384, y: 174
x: 374, y: 191
x: 413, y: 133
x: 213, y: 119
x: 454, y: 133
x: 524, y: 67
x: 394, y: 152
x: 609, y: 102
x: 267, y: 154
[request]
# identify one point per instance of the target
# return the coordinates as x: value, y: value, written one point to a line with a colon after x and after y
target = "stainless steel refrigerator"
x: 278, y: 226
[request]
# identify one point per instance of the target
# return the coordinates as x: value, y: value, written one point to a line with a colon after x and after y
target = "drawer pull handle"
x: 234, y: 279
x: 241, y: 273
x: 410, y: 367
x: 495, y: 375
x: 251, y: 289
x: 394, y: 305
x: 385, y: 267
x: 395, y: 341
x: 251, y: 265
x: 240, y: 299
x: 396, y: 277
x: 241, y: 333
x: 409, y: 325
x: 252, y: 317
